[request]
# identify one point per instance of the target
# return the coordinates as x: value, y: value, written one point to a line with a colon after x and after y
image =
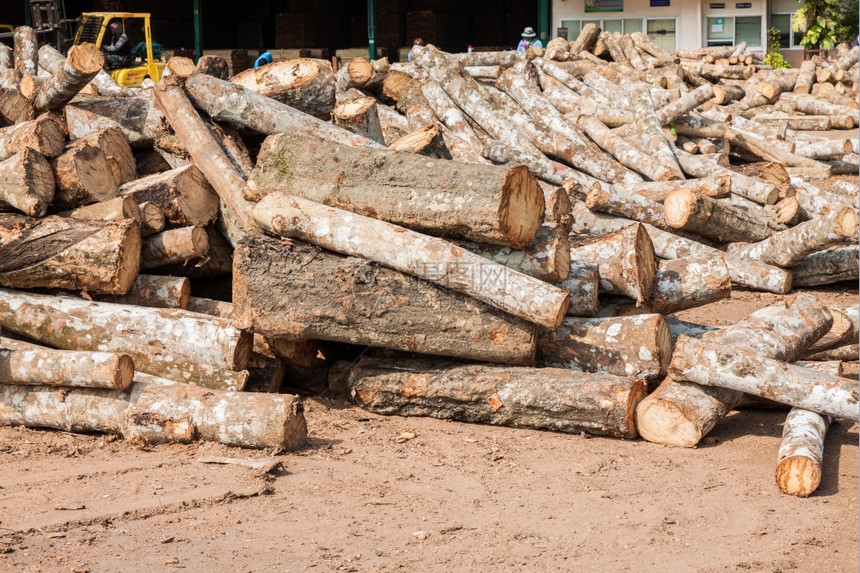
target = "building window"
x: 731, y: 31
x: 661, y: 30
x: 782, y: 22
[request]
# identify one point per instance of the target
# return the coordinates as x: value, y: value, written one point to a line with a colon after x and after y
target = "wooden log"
x: 116, y: 149
x: 682, y: 413
x: 182, y: 194
x: 546, y: 398
x: 83, y: 175
x: 715, y: 187
x: 426, y: 141
x: 713, y: 364
x: 823, y: 149
x: 430, y: 258
x: 687, y: 282
x: 82, y: 64
x: 66, y: 368
x: 625, y: 260
x: 844, y: 353
x: 619, y: 201
x: 776, y: 82
x: 114, y: 209
x: 303, y: 83
x: 449, y: 114
x: 545, y: 169
x: 137, y: 117
x: 827, y: 267
x: 766, y: 149
x: 649, y: 130
x: 806, y: 77
x: 214, y: 65
x: 180, y: 350
x: 27, y: 183
x: 275, y: 293
x: 241, y: 419
x: 59, y: 252
x: 696, y: 213
x: 152, y: 218
x: 842, y: 332
x: 583, y: 282
x: 814, y: 202
x: 44, y: 135
x: 812, y: 106
x: 790, y: 247
x: 759, y: 191
x: 646, y: 44
x: 155, y: 291
x: 585, y: 40
x: 800, y: 122
x: 14, y: 107
x: 51, y: 60
x: 359, y: 116
x: 173, y: 246
x: 503, y: 204
x: 547, y: 259
x: 209, y: 157
x: 638, y: 346
x: 25, y: 44
x: 801, y: 452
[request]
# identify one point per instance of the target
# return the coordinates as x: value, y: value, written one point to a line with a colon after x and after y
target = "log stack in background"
x: 505, y: 234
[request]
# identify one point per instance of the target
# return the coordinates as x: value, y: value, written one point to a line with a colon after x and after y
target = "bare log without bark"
x: 27, y: 183
x: 483, y: 203
x: 689, y: 211
x: 729, y: 367
x: 430, y: 258
x: 545, y: 399
x: 801, y: 453
x: 68, y: 368
x: 682, y: 413
x: 44, y: 134
x: 183, y: 194
x: 639, y: 346
x: 303, y: 293
x: 74, y: 254
x: 303, y: 83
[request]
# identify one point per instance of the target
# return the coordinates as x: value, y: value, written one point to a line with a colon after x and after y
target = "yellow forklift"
x: 144, y: 60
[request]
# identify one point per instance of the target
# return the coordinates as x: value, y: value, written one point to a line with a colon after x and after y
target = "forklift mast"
x: 48, y: 19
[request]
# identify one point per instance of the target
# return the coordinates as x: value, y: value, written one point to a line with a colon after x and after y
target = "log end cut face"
x: 798, y: 475
x: 521, y: 210
x: 87, y: 58
x: 665, y: 422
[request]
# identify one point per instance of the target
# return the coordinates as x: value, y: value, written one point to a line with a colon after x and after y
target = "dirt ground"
x: 374, y: 493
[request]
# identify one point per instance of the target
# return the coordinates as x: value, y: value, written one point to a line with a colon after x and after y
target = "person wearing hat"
x: 529, y: 40
x: 118, y: 50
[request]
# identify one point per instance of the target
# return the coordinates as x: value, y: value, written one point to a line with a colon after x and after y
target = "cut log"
x: 759, y: 191
x: 585, y: 40
x: 243, y: 419
x: 182, y: 350
x: 155, y: 291
x: 688, y: 282
x: 547, y: 259
x: 137, y: 117
x: 639, y: 346
x: 27, y: 183
x: 621, y: 202
x: 114, y: 209
x: 846, y: 353
x: 359, y: 116
x: 25, y: 44
x: 766, y: 149
x: 303, y: 83
x: 209, y: 156
x: 689, y: 211
x: 117, y: 150
x: 583, y: 282
x: 82, y: 63
x: 842, y: 332
x: 44, y: 135
x: 713, y: 364
x: 716, y: 187
x: 545, y: 399
x: 173, y: 246
x: 801, y: 453
x: 827, y: 267
x: 426, y: 141
x: 790, y: 247
x: 183, y: 195
x: 67, y: 368
x: 73, y: 254
x: 625, y: 260
x: 83, y: 175
x: 449, y: 114
x: 151, y: 218
x: 682, y: 413
x: 14, y: 107
x: 430, y: 258
x: 805, y: 78
x: 496, y: 204
x: 358, y: 302
x: 214, y: 65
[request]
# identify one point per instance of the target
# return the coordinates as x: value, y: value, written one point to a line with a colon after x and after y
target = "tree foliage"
x: 825, y: 23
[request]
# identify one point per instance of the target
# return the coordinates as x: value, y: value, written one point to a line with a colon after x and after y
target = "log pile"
x: 502, y: 247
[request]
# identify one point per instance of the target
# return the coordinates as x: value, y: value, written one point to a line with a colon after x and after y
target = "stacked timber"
x: 498, y: 238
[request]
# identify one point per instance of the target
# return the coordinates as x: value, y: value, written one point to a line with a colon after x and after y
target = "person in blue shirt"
x: 265, y: 58
x: 529, y: 40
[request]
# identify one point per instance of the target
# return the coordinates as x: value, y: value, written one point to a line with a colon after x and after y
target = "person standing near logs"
x: 529, y: 40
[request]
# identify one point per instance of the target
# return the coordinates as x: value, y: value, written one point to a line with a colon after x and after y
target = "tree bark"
x: 619, y: 201
x: 27, y: 183
x: 827, y: 267
x: 585, y: 40
x: 790, y: 247
x: 544, y: 399
x: 183, y: 194
x: 426, y: 141
x: 843, y: 331
x: 25, y: 44
x: 154, y: 291
x: 215, y: 66
x: 715, y: 187
x: 66, y: 368
x: 83, y: 175
x: 115, y: 209
x: 729, y: 367
x: 687, y: 282
x: 625, y: 260
x: 449, y: 114
x: 82, y: 64
x: 682, y: 413
x: 430, y: 258
x: 303, y: 293
x: 583, y: 282
x: 73, y: 254
x: 359, y: 116
x: 183, y: 350
x: 137, y: 117
x: 209, y: 157
x: 547, y: 258
x: 117, y: 150
x: 44, y: 135
x: 173, y: 246
x: 638, y: 346
x: 748, y: 187
x: 686, y: 210
x: 503, y: 205
x: 14, y: 107
x: 303, y: 83
x: 806, y: 77
x: 798, y: 469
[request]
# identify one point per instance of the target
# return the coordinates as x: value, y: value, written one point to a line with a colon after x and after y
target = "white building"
x: 684, y: 24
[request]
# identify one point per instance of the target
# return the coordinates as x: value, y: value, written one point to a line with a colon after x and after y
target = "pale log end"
x: 798, y: 475
x: 664, y: 422
x: 522, y: 207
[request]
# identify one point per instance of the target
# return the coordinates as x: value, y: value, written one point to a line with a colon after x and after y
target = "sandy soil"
x: 373, y: 493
